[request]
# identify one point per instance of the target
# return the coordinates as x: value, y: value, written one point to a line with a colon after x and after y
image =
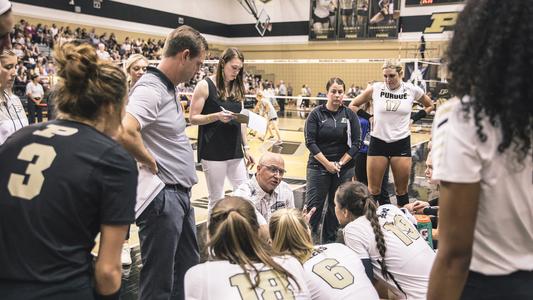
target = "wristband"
x: 431, y: 210
x: 363, y: 114
x: 418, y: 115
x: 114, y: 296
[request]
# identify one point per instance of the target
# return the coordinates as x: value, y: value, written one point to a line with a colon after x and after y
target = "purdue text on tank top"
x: 219, y: 141
x: 392, y: 110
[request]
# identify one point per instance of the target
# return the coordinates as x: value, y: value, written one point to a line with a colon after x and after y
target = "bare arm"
x: 201, y: 92
x: 108, y: 271
x: 426, y: 101
x: 458, y: 205
x: 362, y: 98
x: 130, y: 138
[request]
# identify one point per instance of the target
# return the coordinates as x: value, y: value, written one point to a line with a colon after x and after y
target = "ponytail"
x: 370, y: 209
x: 233, y: 231
x: 354, y: 196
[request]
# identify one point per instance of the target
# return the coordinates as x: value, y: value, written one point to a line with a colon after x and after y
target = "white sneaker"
x: 125, y: 257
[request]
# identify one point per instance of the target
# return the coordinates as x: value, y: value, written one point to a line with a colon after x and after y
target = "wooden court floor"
x: 295, y: 155
x: 291, y: 130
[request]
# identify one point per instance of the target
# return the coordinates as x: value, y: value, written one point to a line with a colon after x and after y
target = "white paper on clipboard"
x: 148, y: 186
x: 257, y: 123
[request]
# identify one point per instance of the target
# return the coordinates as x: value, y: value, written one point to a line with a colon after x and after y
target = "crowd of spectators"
x: 33, y: 43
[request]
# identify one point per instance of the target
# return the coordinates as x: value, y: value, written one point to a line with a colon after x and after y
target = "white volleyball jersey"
x: 503, y: 236
x: 392, y: 110
x: 335, y: 272
x: 408, y: 257
x: 222, y: 280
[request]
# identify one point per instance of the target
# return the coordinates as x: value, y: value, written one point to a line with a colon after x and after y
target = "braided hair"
x: 354, y: 197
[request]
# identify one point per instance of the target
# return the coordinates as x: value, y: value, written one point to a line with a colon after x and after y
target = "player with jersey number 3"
x: 62, y: 182
x: 390, y: 139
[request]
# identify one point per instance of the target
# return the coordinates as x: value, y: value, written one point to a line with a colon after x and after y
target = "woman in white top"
x: 321, y: 16
x: 12, y: 114
x: 400, y: 257
x: 266, y: 109
x: 334, y: 271
x: 482, y: 155
x: 390, y: 140
x: 241, y: 267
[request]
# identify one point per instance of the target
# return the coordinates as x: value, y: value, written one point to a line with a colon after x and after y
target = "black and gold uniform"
x: 59, y: 182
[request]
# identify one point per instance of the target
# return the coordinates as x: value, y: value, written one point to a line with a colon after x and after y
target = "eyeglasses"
x: 274, y: 170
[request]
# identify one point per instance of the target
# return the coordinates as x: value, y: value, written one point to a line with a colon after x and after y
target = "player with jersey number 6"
x: 390, y: 139
x: 241, y: 266
x: 400, y: 257
x: 62, y: 182
x: 333, y: 270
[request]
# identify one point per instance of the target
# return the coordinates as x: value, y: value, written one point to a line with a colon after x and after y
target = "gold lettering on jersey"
x: 52, y: 129
x: 272, y: 286
x: 44, y: 155
x: 441, y: 22
x: 403, y: 230
x: 338, y: 277
x: 392, y: 105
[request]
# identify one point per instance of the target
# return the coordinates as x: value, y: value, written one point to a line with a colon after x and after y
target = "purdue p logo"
x: 441, y: 22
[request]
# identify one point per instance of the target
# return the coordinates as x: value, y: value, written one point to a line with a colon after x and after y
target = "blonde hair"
x: 393, y: 64
x: 290, y: 234
x: 233, y: 236
x: 132, y: 60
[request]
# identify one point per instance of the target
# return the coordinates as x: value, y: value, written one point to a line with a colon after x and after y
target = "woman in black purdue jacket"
x: 333, y: 136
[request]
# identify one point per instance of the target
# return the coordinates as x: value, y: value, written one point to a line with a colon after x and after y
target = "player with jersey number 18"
x: 400, y: 257
x: 62, y: 182
x: 241, y: 266
x: 390, y: 140
x: 334, y: 271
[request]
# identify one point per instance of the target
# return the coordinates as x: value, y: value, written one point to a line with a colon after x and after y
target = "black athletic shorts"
x: 517, y: 285
x: 317, y: 19
x: 346, y: 12
x: 379, y: 147
x: 362, y: 12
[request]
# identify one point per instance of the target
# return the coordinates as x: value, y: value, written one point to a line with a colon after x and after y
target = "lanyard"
x: 6, y: 97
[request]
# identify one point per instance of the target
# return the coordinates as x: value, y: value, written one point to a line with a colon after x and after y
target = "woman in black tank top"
x: 222, y: 144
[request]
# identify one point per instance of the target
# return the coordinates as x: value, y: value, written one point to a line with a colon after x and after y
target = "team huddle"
x: 65, y: 181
